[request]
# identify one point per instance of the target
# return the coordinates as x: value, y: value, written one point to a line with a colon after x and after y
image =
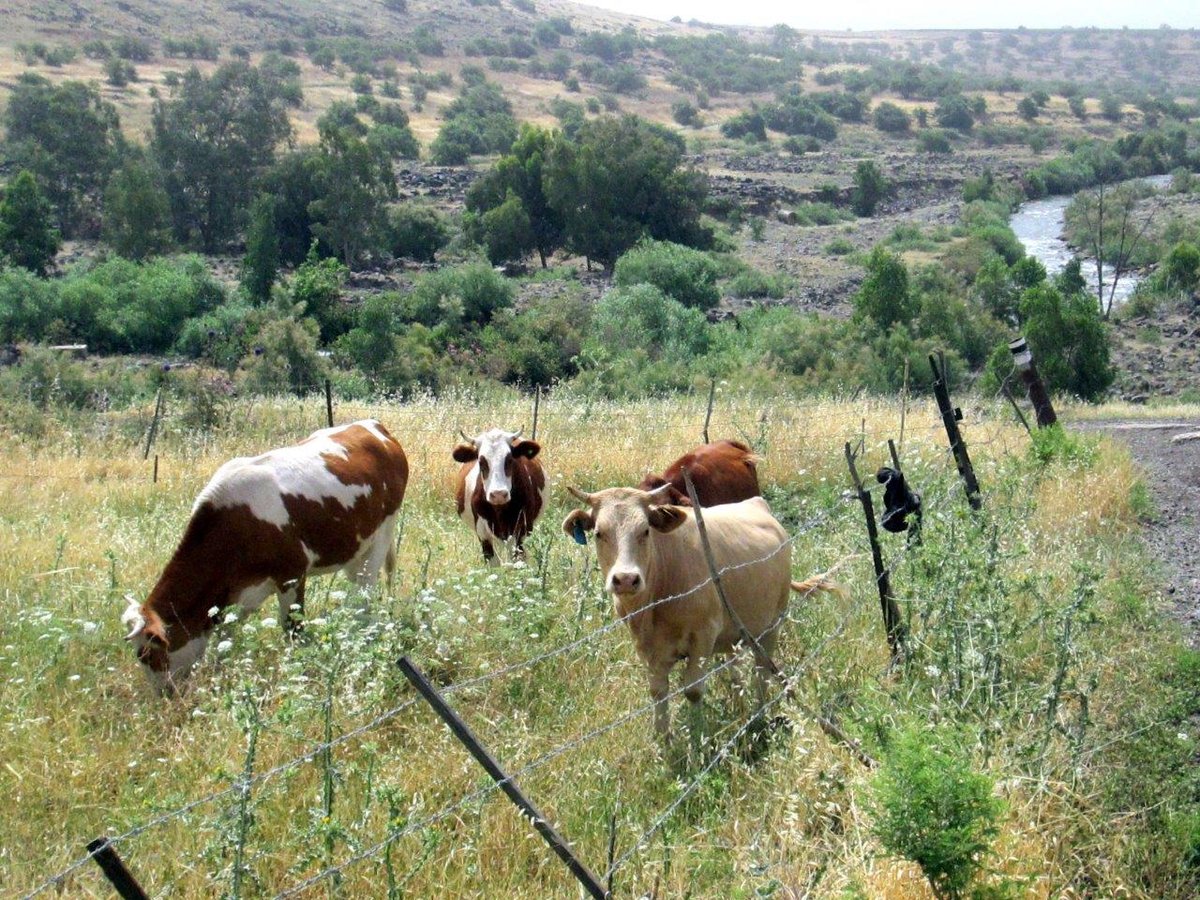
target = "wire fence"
x: 242, y: 786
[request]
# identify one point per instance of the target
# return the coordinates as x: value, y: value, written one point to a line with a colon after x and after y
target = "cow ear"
x: 527, y: 449
x: 666, y: 518
x: 465, y: 453
x: 578, y: 521
x: 155, y: 630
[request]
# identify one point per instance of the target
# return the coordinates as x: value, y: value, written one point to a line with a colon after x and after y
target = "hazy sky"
x: 870, y: 15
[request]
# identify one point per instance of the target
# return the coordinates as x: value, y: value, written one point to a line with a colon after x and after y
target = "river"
x: 1038, y: 224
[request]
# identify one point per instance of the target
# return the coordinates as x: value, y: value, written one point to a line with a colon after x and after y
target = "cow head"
x: 623, y: 519
x: 494, y: 452
x: 165, y: 665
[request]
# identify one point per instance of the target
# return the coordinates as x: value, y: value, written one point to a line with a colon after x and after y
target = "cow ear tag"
x: 577, y: 533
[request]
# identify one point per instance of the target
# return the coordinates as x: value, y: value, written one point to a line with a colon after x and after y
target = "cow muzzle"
x: 498, y: 498
x: 625, y: 582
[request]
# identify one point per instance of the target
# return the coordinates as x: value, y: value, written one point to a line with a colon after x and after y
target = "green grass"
x: 1043, y: 597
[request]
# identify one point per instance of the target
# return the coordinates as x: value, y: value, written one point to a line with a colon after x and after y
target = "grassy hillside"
x: 1036, y: 636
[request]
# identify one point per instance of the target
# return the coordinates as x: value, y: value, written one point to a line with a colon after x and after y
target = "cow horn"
x: 516, y: 434
x: 469, y: 440
x: 658, y: 491
x: 583, y: 496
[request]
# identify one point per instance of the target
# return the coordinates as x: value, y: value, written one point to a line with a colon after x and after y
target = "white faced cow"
x: 648, y: 552
x: 261, y: 526
x: 501, y: 488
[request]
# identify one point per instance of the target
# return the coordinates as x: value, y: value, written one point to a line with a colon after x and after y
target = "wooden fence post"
x: 114, y: 870
x: 827, y: 725
x: 1016, y: 407
x: 950, y: 418
x: 153, y: 432
x: 537, y: 402
x: 329, y: 402
x: 461, y: 731
x: 712, y: 393
x: 1038, y: 395
x: 892, y: 621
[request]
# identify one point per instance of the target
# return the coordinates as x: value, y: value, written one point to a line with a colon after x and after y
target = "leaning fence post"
x: 114, y: 870
x: 150, y: 435
x: 827, y: 725
x: 1004, y: 389
x: 950, y: 418
x: 712, y: 393
x: 461, y: 731
x: 1038, y: 395
x: 887, y: 602
x: 328, y: 403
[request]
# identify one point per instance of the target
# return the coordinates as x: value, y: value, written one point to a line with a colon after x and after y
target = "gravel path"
x: 1173, y: 477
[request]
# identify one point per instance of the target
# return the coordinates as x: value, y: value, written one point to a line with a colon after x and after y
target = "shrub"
x: 317, y: 284
x: 285, y: 359
x: 933, y: 141
x: 869, y: 188
x: 748, y: 123
x: 753, y: 283
x: 686, y: 275
x: 891, y: 118
x: 1181, y: 267
x: 642, y: 318
x: 467, y: 294
x: 884, y: 297
x: 932, y: 808
x: 417, y: 231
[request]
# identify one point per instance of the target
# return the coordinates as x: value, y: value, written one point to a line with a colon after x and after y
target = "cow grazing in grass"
x: 261, y: 526
x: 501, y: 488
x: 722, y: 472
x: 649, y: 551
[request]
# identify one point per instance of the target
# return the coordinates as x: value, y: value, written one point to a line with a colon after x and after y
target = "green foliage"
x: 891, y: 118
x: 1054, y: 443
x: 417, y: 231
x: 869, y: 188
x: 1068, y: 340
x: 753, y: 283
x: 285, y: 359
x: 466, y: 295
x: 1181, y: 267
x: 119, y: 72
x: 260, y: 265
x: 932, y: 808
x: 884, y: 296
x: 27, y: 238
x: 686, y: 114
x: 137, y: 211
x: 683, y: 274
x: 800, y: 114
x: 212, y: 139
x: 538, y: 346
x: 620, y: 180
x: 1027, y: 109
x: 70, y: 139
x: 511, y: 207
x: 932, y: 140
x: 747, y: 123
x: 954, y: 111
x: 479, y: 121
x: 317, y: 287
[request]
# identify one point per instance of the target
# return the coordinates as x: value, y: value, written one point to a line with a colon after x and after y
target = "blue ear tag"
x: 577, y: 533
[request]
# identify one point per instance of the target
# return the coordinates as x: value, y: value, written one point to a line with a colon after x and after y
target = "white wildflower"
x: 224, y: 646
x: 90, y: 627
x: 214, y: 611
x: 269, y: 622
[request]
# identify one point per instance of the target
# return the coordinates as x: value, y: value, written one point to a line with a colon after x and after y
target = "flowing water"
x: 1038, y: 224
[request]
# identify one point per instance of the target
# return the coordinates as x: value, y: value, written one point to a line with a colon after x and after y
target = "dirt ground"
x: 1173, y: 477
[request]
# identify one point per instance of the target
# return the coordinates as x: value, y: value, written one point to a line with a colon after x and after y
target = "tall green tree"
x: 27, y: 238
x: 869, y: 188
x: 137, y: 211
x: 520, y: 175
x: 884, y: 297
x: 70, y: 139
x: 620, y: 180
x: 1069, y: 341
x: 354, y: 181
x: 260, y: 265
x: 212, y: 139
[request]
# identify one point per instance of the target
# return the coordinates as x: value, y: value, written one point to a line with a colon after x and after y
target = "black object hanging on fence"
x: 899, y: 501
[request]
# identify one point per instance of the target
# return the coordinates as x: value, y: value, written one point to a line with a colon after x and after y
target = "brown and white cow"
x: 501, y: 488
x: 722, y: 472
x: 649, y: 551
x: 261, y: 526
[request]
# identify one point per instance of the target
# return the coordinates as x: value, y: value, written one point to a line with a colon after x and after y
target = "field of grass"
x: 1036, y: 633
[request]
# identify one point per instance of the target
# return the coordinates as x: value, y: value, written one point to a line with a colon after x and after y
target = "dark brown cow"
x: 723, y: 472
x: 501, y: 489
x: 261, y: 526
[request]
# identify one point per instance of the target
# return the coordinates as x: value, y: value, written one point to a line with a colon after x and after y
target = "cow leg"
x: 660, y: 686
x: 291, y: 607
x: 489, y: 553
x: 693, y: 680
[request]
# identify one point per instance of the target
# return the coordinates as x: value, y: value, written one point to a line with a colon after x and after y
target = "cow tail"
x: 818, y: 583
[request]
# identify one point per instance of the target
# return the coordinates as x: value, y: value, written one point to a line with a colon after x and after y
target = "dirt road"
x: 1173, y: 476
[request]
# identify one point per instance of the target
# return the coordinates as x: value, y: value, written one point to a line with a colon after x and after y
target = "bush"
x: 869, y: 188
x: 933, y: 141
x: 891, y: 118
x: 753, y: 283
x: 686, y: 275
x: 417, y: 231
x: 932, y: 808
x: 469, y: 294
x: 748, y: 123
x: 642, y: 318
x: 285, y: 359
x: 884, y: 297
x: 317, y: 284
x: 1181, y: 267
